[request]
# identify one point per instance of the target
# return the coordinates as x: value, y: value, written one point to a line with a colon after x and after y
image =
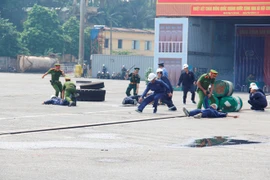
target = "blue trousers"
x: 207, y: 113
x: 168, y: 100
x: 153, y: 97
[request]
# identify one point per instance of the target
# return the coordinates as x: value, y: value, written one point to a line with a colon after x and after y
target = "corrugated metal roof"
x: 130, y: 30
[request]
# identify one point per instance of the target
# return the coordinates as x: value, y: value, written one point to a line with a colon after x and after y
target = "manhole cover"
x: 219, y: 141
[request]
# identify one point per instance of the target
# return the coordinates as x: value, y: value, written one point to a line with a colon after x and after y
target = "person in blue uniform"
x: 187, y: 79
x: 167, y: 100
x: 56, y: 101
x: 165, y: 72
x: 208, y: 112
x: 160, y: 90
x: 131, y: 100
x: 257, y: 98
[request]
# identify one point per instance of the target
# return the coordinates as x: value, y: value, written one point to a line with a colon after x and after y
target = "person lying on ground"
x: 257, y: 99
x: 131, y: 100
x: 210, y: 111
x: 56, y: 101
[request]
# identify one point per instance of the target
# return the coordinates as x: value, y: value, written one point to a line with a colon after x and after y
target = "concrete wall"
x: 114, y: 63
x: 127, y: 38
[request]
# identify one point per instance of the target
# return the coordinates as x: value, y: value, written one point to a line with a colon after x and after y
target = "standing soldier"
x: 203, y: 84
x: 165, y: 72
x: 134, y: 82
x: 187, y: 79
x: 123, y: 72
x: 56, y: 73
x: 84, y: 71
x: 104, y: 69
x: 68, y: 93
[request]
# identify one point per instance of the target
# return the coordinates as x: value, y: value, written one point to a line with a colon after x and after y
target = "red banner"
x: 230, y: 10
x: 213, y: 8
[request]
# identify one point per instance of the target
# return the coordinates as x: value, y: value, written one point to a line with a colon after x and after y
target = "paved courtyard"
x: 132, y: 151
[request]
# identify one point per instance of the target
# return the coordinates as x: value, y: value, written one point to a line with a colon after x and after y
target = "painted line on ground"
x: 90, y: 125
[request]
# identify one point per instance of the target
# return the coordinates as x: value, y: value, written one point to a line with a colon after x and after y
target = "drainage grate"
x: 219, y: 141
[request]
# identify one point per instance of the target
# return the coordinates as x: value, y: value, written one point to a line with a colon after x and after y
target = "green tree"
x: 109, y: 15
x: 139, y: 14
x: 10, y: 43
x: 42, y: 31
x: 16, y: 10
x: 71, y: 30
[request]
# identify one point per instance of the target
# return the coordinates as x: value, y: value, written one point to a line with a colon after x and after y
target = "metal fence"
x: 6, y: 63
x: 114, y: 63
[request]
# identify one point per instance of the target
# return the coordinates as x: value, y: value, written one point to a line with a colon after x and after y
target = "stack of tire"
x: 90, y: 91
x: 222, y: 93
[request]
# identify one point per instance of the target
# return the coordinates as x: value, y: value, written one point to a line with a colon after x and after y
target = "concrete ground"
x: 142, y: 150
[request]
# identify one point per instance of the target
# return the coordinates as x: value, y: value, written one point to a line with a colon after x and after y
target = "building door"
x: 174, y: 67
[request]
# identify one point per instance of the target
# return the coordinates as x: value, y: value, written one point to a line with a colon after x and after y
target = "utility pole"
x: 81, y: 40
x: 111, y: 37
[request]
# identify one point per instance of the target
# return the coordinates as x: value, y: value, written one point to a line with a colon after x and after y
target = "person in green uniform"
x: 55, y: 82
x: 134, y: 82
x: 203, y: 84
x: 68, y: 93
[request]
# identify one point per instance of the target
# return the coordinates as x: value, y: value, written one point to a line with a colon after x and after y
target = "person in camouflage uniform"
x: 55, y: 82
x: 134, y: 82
x: 69, y: 91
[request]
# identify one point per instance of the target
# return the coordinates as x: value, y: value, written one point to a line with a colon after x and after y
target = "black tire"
x: 83, y: 82
x: 94, y: 85
x: 91, y: 94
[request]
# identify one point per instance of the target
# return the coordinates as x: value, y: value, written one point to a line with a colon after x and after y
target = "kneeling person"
x: 208, y: 112
x: 160, y: 90
x: 68, y: 93
x: 257, y: 98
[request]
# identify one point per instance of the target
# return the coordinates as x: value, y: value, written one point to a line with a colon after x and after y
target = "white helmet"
x: 159, y: 70
x: 151, y: 76
x: 185, y: 66
x: 53, y: 96
x: 254, y: 87
x: 252, y: 84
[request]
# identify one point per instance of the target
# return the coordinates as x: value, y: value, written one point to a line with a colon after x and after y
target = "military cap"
x: 213, y: 71
x: 57, y: 64
x: 161, y: 64
x: 67, y: 78
x: 136, y: 68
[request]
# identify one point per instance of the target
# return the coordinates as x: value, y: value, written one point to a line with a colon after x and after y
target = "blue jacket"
x: 57, y: 101
x: 259, y: 97
x: 210, y: 112
x: 165, y: 72
x: 167, y: 81
x: 158, y: 87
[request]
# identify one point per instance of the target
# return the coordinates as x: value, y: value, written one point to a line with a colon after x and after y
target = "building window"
x: 106, y: 44
x: 135, y: 44
x: 148, y: 46
x: 120, y: 43
x: 171, y: 38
